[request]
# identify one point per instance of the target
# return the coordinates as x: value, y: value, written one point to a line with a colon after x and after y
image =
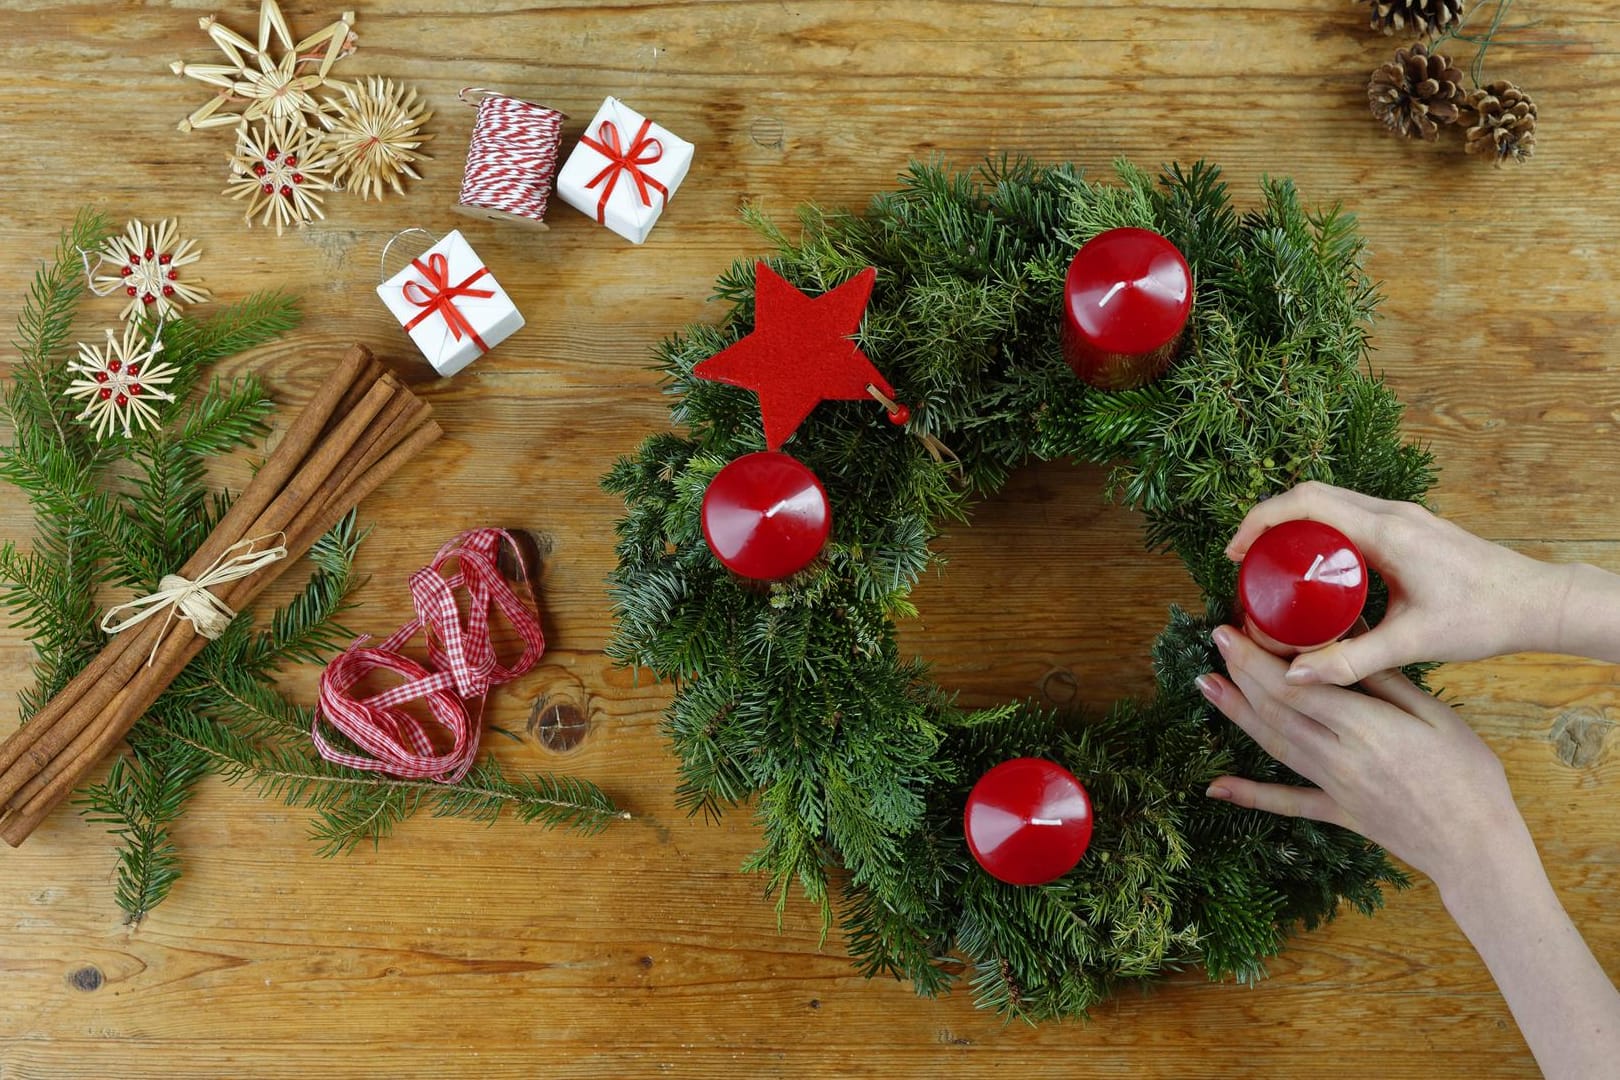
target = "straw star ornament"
x: 148, y: 263
x: 271, y: 89
x: 375, y: 135
x: 281, y: 171
x: 119, y: 381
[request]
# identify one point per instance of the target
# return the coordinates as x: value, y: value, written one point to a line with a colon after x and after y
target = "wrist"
x: 1546, y: 618
x: 1497, y: 879
x: 1579, y: 611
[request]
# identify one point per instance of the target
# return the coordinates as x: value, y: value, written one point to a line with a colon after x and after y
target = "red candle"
x: 1028, y: 821
x: 1125, y: 302
x: 766, y: 516
x: 1302, y: 585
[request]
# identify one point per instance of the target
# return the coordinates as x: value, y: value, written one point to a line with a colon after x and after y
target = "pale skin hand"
x: 1453, y: 596
x: 1404, y: 770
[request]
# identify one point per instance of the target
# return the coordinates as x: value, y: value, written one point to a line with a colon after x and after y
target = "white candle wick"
x: 1316, y: 565
x: 1045, y: 821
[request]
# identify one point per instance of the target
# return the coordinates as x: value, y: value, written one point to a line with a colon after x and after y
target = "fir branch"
x: 355, y: 807
x: 225, y: 418
x: 192, y: 345
x: 142, y: 796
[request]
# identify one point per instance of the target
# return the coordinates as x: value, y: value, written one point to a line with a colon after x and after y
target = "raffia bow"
x: 191, y: 600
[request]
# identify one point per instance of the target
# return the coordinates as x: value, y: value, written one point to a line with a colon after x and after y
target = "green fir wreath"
x: 796, y: 700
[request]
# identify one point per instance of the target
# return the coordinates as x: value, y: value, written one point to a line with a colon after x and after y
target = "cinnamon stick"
x: 30, y: 733
x: 323, y: 457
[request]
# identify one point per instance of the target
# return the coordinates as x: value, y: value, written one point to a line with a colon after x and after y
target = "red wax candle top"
x: 1028, y: 821
x: 766, y: 516
x: 1128, y: 291
x: 1303, y: 583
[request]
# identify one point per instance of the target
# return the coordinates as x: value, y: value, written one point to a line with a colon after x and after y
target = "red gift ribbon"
x: 438, y: 296
x: 461, y: 666
x: 621, y: 160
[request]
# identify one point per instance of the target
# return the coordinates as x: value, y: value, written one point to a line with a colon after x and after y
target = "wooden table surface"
x: 510, y: 951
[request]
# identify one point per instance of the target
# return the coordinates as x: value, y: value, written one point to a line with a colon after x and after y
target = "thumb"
x: 1347, y: 662
x: 1284, y: 799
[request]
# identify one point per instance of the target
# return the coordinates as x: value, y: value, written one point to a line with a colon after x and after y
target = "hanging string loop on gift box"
x: 461, y: 665
x: 511, y: 158
x: 382, y: 259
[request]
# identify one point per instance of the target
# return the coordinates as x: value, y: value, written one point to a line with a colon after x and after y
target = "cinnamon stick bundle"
x: 361, y: 426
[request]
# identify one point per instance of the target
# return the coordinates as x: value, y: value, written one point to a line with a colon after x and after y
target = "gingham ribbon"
x: 512, y: 157
x: 461, y: 666
x: 644, y: 150
x: 436, y: 296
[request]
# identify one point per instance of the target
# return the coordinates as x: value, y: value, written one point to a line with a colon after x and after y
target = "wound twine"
x: 512, y: 158
x: 461, y: 666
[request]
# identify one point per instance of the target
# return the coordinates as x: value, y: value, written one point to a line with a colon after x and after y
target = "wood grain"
x: 512, y: 952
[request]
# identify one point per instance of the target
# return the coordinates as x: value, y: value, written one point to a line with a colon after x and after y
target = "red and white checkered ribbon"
x: 512, y: 158
x: 461, y: 666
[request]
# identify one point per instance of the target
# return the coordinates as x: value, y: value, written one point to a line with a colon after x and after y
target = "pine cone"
x: 1504, y: 123
x: 1425, y: 18
x: 1414, y: 91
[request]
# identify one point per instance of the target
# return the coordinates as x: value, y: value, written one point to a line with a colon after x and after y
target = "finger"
x: 1259, y: 675
x: 1404, y: 694
x: 1284, y: 799
x: 1348, y: 511
x: 1347, y: 662
x: 1290, y: 749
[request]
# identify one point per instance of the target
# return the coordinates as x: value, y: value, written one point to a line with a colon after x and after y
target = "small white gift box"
x: 451, y: 305
x: 624, y: 170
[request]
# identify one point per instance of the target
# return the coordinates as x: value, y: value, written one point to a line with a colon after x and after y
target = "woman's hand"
x: 1453, y: 596
x: 1403, y: 770
x: 1393, y: 764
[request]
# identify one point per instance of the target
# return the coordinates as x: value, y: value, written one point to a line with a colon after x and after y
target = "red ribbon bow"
x: 461, y: 666
x: 644, y: 150
x: 438, y: 296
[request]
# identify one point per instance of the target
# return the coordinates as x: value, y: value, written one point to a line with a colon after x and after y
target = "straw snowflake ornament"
x: 281, y: 171
x: 375, y: 135
x: 119, y: 381
x: 272, y: 89
x: 149, y: 264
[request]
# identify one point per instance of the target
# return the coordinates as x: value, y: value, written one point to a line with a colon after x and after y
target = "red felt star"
x: 800, y: 353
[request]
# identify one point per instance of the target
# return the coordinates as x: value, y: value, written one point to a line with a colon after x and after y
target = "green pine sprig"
x: 143, y: 794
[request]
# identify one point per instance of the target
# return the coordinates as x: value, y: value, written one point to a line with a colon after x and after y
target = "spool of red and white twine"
x: 511, y: 159
x: 461, y: 667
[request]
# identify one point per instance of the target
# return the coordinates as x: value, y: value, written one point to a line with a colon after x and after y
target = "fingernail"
x: 1208, y: 686
x: 1219, y: 791
x: 1300, y: 675
x: 1222, y: 638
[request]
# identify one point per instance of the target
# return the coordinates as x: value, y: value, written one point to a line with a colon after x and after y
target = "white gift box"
x: 451, y: 305
x: 624, y: 170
